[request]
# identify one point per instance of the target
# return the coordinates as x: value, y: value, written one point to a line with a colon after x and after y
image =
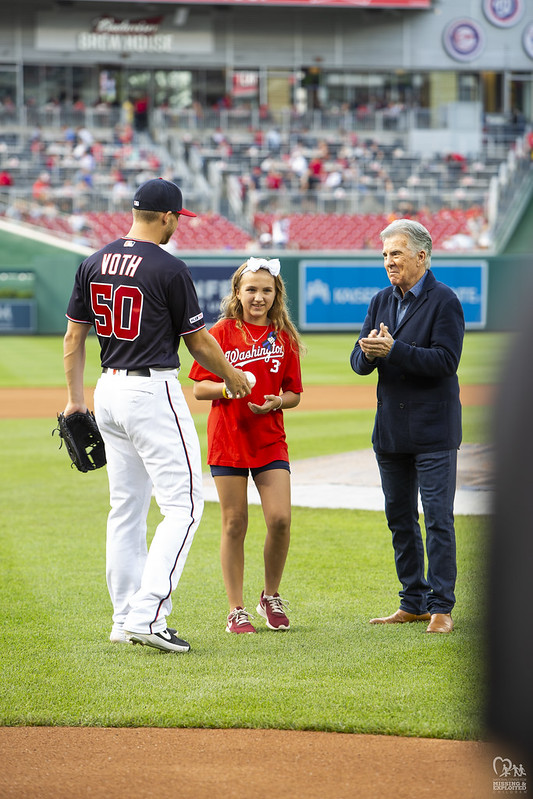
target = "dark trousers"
x: 434, y: 474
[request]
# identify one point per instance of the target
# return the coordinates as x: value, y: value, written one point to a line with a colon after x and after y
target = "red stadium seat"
x: 307, y: 231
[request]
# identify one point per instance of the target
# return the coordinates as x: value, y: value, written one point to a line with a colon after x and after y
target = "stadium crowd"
x: 266, y: 186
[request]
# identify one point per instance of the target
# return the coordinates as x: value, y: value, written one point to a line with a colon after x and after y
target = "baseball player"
x: 141, y: 300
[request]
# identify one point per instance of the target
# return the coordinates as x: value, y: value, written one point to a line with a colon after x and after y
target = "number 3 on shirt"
x: 275, y: 366
x: 117, y: 312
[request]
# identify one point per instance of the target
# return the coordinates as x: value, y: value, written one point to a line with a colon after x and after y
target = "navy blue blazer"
x: 418, y: 406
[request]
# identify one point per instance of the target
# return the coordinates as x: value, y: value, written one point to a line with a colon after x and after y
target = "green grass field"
x: 36, y: 361
x: 332, y: 671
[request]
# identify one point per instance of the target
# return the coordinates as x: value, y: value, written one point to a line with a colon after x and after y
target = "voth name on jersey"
x: 119, y: 263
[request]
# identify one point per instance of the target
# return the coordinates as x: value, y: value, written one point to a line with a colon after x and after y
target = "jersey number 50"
x: 117, y: 311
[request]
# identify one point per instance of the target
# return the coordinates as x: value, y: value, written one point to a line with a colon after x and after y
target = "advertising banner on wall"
x: 18, y: 307
x: 18, y: 316
x: 212, y: 279
x: 335, y: 296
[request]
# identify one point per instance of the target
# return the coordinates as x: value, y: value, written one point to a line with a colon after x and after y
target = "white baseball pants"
x: 151, y: 443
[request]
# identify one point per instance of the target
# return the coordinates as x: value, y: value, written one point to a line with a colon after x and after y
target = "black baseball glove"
x: 82, y: 439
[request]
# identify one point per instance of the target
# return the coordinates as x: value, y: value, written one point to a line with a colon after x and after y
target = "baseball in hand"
x: 251, y: 379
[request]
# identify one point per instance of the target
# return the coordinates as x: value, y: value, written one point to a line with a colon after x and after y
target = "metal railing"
x: 396, y: 120
x: 189, y: 119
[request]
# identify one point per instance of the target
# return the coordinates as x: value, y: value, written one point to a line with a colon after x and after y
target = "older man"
x: 413, y: 334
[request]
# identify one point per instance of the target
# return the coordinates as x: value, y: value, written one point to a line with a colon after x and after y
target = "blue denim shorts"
x: 228, y: 471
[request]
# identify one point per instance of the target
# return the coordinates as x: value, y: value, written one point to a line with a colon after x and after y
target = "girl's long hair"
x: 231, y: 308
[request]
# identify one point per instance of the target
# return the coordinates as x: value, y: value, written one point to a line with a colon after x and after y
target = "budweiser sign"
x: 127, y: 27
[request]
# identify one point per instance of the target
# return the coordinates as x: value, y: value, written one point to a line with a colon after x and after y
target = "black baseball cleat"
x: 166, y: 641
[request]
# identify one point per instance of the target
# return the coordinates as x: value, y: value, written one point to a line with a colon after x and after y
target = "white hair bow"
x: 254, y: 264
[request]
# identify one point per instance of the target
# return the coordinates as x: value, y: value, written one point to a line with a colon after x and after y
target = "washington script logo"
x: 273, y: 352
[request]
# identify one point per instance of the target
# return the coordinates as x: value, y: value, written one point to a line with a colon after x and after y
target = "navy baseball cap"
x: 160, y: 195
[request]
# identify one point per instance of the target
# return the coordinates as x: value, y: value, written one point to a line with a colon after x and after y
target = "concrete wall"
x: 245, y: 36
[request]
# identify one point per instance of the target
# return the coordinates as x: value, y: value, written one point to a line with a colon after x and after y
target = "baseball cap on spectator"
x: 160, y: 195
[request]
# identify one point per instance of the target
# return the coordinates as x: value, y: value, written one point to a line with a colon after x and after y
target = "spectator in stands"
x: 77, y: 222
x: 52, y: 104
x: 518, y: 122
x: 140, y: 114
x: 258, y: 142
x: 221, y: 142
x: 102, y: 108
x: 37, y: 145
x: 485, y: 240
x: 456, y: 164
x: 391, y: 115
x: 195, y: 155
x: 273, y: 179
x: 334, y: 177
x: 251, y: 183
x: 82, y: 188
x: 44, y: 213
x: 197, y: 110
x: 299, y: 165
x: 7, y: 107
x: 127, y: 112
x: 268, y: 163
x: 123, y: 134
x: 280, y: 231
x: 87, y: 161
x: 80, y: 229
x: 6, y: 179
x: 41, y: 188
x: 322, y: 152
x: 84, y: 141
x: 121, y: 193
x: 65, y: 195
x: 256, y: 178
x: 314, y: 174
x: 224, y: 103
x: 530, y: 143
x: 69, y: 135
x: 273, y: 140
x: 17, y: 210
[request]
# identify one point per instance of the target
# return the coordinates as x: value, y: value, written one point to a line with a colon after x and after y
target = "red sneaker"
x: 272, y: 608
x: 239, y: 622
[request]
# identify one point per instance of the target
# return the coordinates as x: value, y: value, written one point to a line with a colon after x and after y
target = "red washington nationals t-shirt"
x: 236, y: 436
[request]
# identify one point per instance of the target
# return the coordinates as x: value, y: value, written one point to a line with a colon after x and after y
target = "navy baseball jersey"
x: 140, y: 299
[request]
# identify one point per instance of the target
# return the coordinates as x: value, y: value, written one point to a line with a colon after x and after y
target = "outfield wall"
x: 326, y: 291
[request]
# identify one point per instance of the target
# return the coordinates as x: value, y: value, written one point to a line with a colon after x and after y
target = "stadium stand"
x: 361, y: 231
x: 335, y: 189
x: 205, y: 232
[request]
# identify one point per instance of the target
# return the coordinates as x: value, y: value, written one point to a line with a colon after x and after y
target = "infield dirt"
x: 38, y: 403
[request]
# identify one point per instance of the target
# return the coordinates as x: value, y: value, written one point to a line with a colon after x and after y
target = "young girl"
x: 257, y: 335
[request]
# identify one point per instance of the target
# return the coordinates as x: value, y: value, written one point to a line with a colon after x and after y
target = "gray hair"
x: 418, y: 237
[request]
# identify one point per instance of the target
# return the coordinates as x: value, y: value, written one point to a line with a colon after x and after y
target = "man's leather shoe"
x: 401, y: 617
x: 440, y: 623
